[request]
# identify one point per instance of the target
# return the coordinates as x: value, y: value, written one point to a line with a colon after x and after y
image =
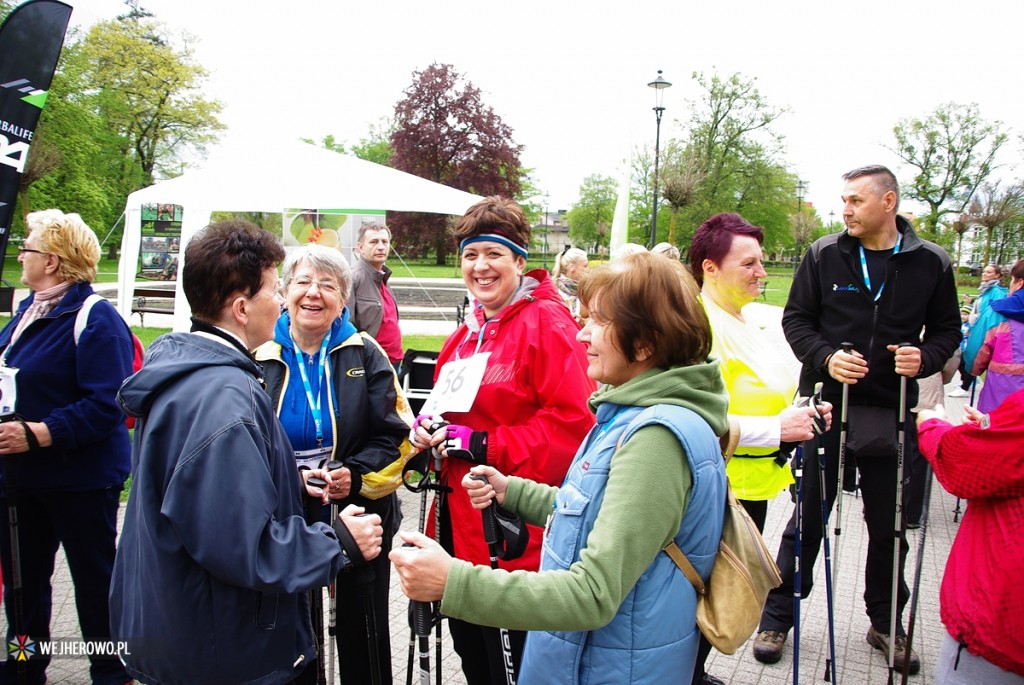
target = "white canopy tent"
x: 265, y: 176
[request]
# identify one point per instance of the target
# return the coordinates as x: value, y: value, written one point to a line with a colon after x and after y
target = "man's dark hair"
x: 885, y: 180
x: 223, y: 260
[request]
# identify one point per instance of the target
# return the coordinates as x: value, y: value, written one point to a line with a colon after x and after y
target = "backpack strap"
x: 82, y: 318
x: 676, y: 554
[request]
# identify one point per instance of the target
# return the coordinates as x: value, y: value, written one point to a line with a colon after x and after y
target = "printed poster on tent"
x: 161, y: 241
x: 337, y: 228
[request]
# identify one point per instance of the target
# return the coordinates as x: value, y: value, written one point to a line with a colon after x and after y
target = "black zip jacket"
x: 830, y: 304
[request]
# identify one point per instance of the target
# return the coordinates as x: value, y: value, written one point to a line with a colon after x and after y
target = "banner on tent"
x: 31, y: 38
x: 337, y: 228
x: 161, y: 241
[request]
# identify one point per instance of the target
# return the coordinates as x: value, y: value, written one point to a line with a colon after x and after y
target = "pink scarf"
x: 42, y: 304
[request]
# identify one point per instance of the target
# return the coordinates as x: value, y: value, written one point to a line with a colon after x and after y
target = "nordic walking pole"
x: 365, y: 576
x: 917, y: 577
x: 438, y: 503
x: 901, y: 432
x: 798, y: 476
x: 957, y: 510
x: 10, y: 478
x: 332, y: 595
x: 316, y: 595
x: 491, y: 538
x: 844, y: 425
x: 422, y: 615
x: 819, y: 429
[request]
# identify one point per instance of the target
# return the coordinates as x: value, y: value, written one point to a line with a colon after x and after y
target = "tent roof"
x: 262, y: 176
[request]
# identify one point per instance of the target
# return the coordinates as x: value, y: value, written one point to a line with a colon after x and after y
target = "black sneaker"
x: 768, y: 646
x: 708, y: 679
x: 881, y: 641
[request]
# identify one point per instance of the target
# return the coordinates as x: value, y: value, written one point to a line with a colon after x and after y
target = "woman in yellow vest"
x: 758, y: 367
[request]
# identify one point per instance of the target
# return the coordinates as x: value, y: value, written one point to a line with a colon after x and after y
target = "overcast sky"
x: 570, y: 78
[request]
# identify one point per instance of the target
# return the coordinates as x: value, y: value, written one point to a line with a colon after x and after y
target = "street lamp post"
x: 659, y: 84
x: 547, y: 220
x: 800, y: 188
x: 831, y: 220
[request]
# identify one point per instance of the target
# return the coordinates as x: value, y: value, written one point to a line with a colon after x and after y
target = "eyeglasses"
x: 305, y: 283
x: 23, y: 250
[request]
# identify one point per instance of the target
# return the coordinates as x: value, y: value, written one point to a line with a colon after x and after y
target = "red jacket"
x: 981, y: 601
x: 532, y: 403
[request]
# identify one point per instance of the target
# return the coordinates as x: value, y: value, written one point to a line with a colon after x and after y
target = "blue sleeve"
x: 103, y: 360
x: 222, y: 501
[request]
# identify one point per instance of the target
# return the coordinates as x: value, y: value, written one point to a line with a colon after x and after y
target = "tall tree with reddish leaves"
x: 445, y: 133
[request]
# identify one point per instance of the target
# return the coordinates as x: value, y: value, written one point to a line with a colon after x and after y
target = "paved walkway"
x: 857, y: 661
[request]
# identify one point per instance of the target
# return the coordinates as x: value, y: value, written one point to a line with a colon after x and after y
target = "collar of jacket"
x: 380, y: 276
x: 911, y: 241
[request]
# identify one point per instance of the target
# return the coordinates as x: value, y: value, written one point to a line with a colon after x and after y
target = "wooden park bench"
x: 152, y: 300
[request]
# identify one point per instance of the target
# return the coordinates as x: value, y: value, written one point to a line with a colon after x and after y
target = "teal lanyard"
x: 864, y: 266
x: 322, y: 370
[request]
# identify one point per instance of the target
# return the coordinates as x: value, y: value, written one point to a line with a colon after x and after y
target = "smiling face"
x: 990, y: 273
x: 492, y: 274
x: 314, y: 301
x: 606, y: 363
x: 737, y: 280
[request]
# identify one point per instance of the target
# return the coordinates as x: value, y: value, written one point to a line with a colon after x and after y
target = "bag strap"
x: 677, y: 556
x: 82, y: 318
x: 729, y: 441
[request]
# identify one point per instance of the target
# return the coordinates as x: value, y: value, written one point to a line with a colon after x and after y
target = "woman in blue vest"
x: 608, y: 606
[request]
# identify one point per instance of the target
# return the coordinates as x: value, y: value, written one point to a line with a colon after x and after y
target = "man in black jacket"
x: 875, y: 285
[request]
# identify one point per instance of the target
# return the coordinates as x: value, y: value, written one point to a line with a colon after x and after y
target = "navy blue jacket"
x: 215, y: 556
x: 72, y: 389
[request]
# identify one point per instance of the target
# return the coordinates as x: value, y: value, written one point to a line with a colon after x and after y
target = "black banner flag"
x: 30, y: 42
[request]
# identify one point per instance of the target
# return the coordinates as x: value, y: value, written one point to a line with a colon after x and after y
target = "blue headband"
x: 495, y: 238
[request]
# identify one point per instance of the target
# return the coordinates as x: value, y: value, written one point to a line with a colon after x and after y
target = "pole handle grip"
x: 490, y: 524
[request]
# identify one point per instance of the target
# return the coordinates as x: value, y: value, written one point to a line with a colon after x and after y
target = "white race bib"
x: 313, y: 459
x: 8, y: 390
x: 457, y: 385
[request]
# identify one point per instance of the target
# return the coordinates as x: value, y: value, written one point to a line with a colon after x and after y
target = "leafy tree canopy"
x: 444, y: 132
x: 952, y: 151
x: 590, y: 219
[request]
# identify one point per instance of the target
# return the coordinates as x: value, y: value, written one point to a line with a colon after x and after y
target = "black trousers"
x: 480, y: 649
x: 358, y: 592
x: 878, y: 498
x: 85, y: 523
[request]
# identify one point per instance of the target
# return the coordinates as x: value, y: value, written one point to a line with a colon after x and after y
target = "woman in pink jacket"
x: 982, y: 606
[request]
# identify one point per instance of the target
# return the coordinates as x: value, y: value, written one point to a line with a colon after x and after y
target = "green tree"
x: 374, y: 147
x: 590, y: 219
x: 149, y: 94
x: 445, y: 132
x: 995, y: 207
x: 729, y: 162
x: 953, y: 152
x: 70, y: 133
x: 681, y: 177
x: 124, y: 107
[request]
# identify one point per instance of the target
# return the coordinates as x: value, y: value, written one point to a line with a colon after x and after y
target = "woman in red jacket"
x: 530, y: 411
x: 981, y: 603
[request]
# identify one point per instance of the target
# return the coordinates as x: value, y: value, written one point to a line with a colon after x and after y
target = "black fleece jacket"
x: 830, y: 304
